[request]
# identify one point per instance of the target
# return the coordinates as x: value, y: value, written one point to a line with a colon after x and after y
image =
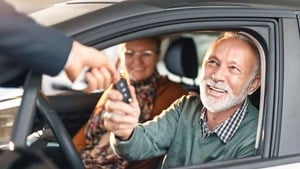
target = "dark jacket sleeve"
x: 22, y: 40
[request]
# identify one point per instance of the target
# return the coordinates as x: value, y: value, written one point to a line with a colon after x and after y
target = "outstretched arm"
x: 48, y: 51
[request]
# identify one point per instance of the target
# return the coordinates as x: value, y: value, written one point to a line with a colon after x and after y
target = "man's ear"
x: 254, y: 85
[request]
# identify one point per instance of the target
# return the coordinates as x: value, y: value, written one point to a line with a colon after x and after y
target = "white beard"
x: 217, y: 105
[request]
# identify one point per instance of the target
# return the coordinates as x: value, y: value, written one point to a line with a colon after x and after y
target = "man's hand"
x: 119, y: 117
x: 102, y: 72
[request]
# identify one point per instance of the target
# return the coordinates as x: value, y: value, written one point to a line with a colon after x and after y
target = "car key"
x: 122, y: 86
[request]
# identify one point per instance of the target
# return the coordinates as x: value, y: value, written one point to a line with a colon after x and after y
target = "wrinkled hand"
x: 119, y: 117
x: 102, y: 72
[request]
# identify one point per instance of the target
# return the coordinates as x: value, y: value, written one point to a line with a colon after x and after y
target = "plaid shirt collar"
x: 227, y: 129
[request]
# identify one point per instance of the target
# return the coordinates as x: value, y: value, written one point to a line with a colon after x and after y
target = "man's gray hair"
x: 248, y: 40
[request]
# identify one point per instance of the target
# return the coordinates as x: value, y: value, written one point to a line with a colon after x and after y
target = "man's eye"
x: 235, y: 70
x: 212, y: 62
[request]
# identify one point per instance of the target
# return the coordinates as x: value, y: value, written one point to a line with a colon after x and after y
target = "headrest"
x: 181, y: 58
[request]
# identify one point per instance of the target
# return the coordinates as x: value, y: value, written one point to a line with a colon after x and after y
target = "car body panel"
x: 275, y: 24
x: 290, y: 110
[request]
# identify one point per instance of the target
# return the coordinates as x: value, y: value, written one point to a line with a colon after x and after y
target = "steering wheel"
x: 33, y: 98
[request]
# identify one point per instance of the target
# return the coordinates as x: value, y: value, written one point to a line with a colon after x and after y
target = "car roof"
x: 61, y: 12
x: 90, y: 13
x: 272, y: 4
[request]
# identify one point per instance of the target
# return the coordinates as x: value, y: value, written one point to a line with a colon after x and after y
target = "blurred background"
x: 28, y: 6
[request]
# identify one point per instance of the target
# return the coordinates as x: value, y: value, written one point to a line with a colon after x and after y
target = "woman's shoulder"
x: 166, y: 82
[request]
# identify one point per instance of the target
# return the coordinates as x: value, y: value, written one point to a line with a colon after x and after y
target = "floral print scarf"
x: 146, y: 92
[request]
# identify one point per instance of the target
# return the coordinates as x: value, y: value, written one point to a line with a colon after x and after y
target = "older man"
x: 219, y: 126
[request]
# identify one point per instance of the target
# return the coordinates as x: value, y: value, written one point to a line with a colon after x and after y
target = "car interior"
x: 181, y: 59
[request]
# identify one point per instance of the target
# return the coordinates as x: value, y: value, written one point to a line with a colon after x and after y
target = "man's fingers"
x: 98, y: 79
x: 112, y: 71
x: 101, y: 61
x: 111, y: 68
x: 106, y: 76
x: 119, y: 118
x: 120, y: 106
x: 120, y: 125
x: 92, y: 81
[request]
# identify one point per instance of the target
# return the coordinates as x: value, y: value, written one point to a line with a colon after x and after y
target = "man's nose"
x: 218, y: 75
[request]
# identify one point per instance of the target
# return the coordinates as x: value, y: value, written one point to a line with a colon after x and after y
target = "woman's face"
x: 141, y: 57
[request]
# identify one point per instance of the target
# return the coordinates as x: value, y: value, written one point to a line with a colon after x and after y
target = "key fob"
x: 122, y: 86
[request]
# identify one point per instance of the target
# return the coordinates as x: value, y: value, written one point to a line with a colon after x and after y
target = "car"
x: 273, y: 25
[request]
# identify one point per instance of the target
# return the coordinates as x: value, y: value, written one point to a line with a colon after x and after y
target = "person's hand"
x: 102, y: 72
x: 119, y: 117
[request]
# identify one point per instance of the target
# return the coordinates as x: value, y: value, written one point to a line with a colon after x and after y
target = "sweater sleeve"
x: 152, y: 138
x: 44, y: 50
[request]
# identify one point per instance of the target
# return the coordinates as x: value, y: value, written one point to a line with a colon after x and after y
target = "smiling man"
x: 230, y: 73
x: 219, y: 125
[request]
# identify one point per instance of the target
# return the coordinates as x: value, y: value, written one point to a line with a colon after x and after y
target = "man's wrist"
x: 125, y: 138
x: 73, y: 65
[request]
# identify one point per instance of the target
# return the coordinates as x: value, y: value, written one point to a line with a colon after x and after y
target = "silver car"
x: 47, y: 119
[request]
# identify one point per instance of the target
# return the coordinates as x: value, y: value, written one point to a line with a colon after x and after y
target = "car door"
x: 277, y: 33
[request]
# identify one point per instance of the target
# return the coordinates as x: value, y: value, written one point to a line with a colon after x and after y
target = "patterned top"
x: 225, y: 130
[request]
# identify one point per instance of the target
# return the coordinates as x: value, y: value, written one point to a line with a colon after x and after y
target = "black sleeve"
x: 24, y: 41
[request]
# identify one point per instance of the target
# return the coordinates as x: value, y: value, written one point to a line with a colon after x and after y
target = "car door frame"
x: 164, y: 22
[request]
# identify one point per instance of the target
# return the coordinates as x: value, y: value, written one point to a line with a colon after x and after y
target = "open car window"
x: 202, y: 39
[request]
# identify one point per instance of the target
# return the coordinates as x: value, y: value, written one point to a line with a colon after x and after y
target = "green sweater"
x: 177, y: 133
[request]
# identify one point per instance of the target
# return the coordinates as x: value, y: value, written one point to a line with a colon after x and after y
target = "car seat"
x: 181, y: 59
